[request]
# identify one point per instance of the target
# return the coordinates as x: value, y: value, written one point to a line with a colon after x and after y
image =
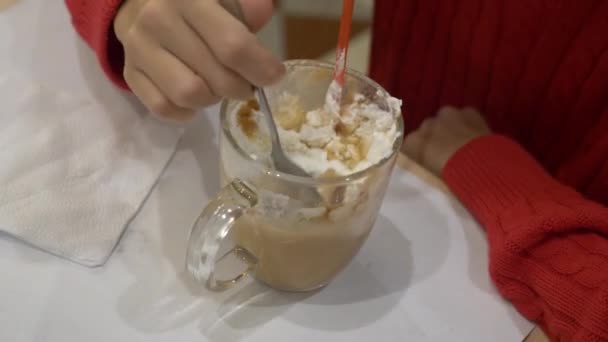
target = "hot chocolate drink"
x: 301, y: 246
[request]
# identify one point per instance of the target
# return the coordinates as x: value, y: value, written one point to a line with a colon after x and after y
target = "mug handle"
x: 211, y: 228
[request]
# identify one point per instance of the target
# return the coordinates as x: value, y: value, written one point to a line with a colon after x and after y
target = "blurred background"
x: 309, y: 29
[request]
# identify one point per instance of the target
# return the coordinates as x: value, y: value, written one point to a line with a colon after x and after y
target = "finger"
x: 235, y: 47
x: 447, y: 112
x: 455, y: 117
x: 426, y: 132
x: 427, y: 126
x: 474, y: 118
x: 178, y: 38
x: 174, y: 79
x: 152, y: 97
x: 450, y: 118
x: 191, y: 50
x: 415, y: 143
x: 411, y: 145
x: 257, y: 12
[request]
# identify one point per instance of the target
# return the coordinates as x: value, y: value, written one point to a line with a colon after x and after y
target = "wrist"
x: 458, y: 146
x: 493, y: 174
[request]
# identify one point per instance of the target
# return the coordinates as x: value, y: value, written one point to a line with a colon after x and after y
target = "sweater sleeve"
x: 548, y: 244
x: 93, y: 20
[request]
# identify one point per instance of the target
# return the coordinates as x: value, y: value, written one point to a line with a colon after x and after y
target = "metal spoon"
x: 280, y: 160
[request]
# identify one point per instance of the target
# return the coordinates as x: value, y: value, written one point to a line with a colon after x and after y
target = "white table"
x: 420, y: 277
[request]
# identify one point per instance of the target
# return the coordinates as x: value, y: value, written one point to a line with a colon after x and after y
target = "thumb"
x: 257, y: 12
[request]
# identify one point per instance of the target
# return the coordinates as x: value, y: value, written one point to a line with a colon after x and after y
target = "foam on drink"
x: 321, y: 141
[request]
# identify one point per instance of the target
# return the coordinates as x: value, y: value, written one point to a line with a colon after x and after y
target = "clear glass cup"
x: 286, y: 238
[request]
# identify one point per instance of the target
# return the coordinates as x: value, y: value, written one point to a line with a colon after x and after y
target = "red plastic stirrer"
x: 334, y: 93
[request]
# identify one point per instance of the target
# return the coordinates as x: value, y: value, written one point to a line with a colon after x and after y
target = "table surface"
x: 536, y: 335
x: 422, y: 275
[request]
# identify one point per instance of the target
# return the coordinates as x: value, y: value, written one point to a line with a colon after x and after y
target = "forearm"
x: 548, y: 245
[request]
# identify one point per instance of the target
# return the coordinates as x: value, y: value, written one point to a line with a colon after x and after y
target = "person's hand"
x: 181, y: 55
x: 438, y: 138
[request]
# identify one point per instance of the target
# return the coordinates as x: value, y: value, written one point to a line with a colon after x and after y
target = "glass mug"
x: 286, y: 238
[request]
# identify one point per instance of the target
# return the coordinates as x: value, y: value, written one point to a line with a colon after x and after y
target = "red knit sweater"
x: 538, y: 70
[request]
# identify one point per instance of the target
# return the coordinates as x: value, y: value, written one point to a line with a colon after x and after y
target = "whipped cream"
x: 324, y: 142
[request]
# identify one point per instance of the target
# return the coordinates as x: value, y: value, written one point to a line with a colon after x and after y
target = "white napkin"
x: 72, y: 174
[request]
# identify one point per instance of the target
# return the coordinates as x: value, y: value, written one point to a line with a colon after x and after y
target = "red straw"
x: 343, y: 39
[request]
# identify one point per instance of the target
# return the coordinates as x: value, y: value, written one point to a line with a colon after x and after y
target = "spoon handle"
x: 280, y: 160
x: 265, y: 109
x: 234, y: 8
